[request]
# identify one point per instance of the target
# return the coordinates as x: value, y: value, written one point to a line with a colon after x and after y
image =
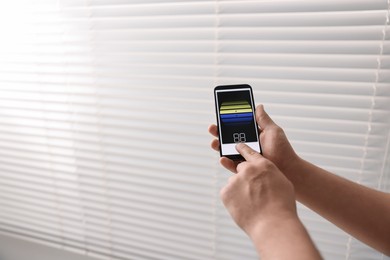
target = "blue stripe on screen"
x: 235, y: 115
x: 237, y: 120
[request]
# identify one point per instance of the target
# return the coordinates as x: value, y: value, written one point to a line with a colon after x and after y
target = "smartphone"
x: 236, y: 120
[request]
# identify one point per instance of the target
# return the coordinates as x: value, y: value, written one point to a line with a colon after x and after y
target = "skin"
x: 360, y: 211
x: 261, y: 201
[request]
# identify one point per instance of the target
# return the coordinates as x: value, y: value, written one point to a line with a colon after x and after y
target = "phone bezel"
x: 234, y: 157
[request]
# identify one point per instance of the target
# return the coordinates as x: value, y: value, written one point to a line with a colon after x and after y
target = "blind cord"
x: 370, y: 118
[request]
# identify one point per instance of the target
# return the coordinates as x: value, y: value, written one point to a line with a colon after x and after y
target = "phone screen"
x: 236, y: 119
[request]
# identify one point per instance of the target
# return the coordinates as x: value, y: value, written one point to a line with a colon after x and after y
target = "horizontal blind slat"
x: 104, y: 107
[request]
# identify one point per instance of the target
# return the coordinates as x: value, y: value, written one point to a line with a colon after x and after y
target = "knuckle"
x: 223, y: 194
x: 246, y: 167
x: 251, y: 167
x: 265, y: 165
x: 279, y: 130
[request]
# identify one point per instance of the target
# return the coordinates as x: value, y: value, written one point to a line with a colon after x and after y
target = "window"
x: 104, y: 108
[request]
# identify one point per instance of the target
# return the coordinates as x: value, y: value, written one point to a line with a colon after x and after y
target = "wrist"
x: 289, y: 234
x: 266, y: 227
x: 294, y: 170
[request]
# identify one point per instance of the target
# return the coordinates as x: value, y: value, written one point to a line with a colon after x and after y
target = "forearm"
x: 360, y: 211
x: 286, y: 239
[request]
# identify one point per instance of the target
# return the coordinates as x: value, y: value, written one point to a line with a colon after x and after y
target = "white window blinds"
x: 104, y: 108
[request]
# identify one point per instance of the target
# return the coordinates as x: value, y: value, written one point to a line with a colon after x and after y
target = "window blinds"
x: 104, y: 108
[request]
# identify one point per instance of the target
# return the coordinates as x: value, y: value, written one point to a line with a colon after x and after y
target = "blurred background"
x: 105, y: 104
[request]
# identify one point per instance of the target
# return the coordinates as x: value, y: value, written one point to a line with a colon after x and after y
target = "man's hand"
x: 259, y: 193
x: 261, y: 200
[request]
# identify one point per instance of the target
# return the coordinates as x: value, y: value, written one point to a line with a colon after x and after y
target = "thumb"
x: 262, y: 118
x: 247, y: 152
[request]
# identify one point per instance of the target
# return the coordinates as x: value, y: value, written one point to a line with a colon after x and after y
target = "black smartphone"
x: 236, y: 120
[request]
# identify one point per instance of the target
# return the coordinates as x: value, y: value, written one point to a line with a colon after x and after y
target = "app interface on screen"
x: 236, y: 117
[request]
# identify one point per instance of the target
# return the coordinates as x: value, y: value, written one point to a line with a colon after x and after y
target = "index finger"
x: 248, y: 153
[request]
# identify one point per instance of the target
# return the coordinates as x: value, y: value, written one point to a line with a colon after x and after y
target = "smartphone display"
x: 236, y: 119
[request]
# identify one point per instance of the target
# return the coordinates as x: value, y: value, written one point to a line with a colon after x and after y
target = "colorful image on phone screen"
x: 236, y: 116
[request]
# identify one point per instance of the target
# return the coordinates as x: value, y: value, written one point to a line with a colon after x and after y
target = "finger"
x: 248, y: 153
x: 215, y: 145
x: 241, y: 165
x: 213, y: 130
x: 262, y: 118
x: 228, y: 164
